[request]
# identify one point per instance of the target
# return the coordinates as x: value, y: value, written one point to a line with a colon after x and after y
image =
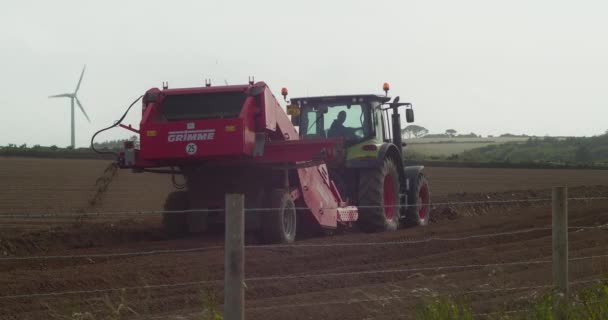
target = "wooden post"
x: 234, y: 292
x: 560, y: 246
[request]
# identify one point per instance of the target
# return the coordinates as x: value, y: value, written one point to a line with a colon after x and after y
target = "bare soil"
x: 306, y: 282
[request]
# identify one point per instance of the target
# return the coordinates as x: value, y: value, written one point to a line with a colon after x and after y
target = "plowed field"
x: 351, y: 275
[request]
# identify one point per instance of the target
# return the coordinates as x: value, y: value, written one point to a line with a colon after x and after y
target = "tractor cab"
x: 351, y: 117
x: 363, y: 121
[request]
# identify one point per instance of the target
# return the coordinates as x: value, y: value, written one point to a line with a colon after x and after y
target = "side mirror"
x: 293, y: 110
x: 295, y: 120
x: 409, y: 115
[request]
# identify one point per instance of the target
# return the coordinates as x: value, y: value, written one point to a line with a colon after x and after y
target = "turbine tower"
x: 73, y: 97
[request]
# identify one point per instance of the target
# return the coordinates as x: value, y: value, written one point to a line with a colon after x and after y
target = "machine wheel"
x: 176, y: 223
x: 379, y: 197
x: 420, y: 213
x: 279, y: 225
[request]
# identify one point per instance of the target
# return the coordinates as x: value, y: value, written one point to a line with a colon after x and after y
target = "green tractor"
x: 372, y: 174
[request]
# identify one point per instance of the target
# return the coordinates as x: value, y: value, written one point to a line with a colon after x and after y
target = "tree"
x: 414, y: 131
x: 451, y: 133
x: 470, y: 135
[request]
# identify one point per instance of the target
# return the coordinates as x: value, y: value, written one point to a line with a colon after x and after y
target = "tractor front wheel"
x: 279, y: 222
x: 379, y: 198
x: 175, y: 223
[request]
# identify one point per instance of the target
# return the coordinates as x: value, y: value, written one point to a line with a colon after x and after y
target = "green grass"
x: 557, y: 151
x: 443, y: 150
x: 592, y: 150
x: 444, y: 308
x: 468, y: 140
x: 586, y: 304
x: 445, y: 147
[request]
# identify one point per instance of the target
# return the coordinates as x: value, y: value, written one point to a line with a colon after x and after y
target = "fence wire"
x: 302, y: 276
x: 294, y: 246
x: 76, y: 292
x: 399, y: 297
x: 263, y: 210
x: 312, y: 245
x: 402, y: 270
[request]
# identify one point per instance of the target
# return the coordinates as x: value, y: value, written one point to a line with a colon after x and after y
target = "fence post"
x: 234, y: 277
x: 560, y: 246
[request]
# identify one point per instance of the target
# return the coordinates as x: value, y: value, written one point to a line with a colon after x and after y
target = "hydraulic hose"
x: 116, y: 123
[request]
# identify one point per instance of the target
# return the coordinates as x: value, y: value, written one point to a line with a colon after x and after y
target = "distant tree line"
x: 416, y: 131
x: 106, y: 145
x: 114, y: 145
x: 54, y: 151
x: 569, y: 150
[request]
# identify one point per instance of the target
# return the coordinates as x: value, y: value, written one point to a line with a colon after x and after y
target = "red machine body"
x: 240, y: 126
x: 163, y: 141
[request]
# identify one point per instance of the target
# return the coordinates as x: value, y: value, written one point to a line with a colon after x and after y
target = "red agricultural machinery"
x: 238, y: 139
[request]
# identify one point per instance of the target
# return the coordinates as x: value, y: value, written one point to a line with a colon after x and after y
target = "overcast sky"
x: 535, y: 66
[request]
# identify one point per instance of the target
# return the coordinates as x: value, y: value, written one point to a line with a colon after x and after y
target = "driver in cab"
x: 337, y: 128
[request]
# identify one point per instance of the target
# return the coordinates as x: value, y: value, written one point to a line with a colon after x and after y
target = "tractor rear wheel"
x: 176, y: 223
x: 379, y: 198
x: 419, y: 211
x: 279, y: 224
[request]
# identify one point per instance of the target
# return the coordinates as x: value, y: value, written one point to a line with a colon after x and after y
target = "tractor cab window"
x: 349, y: 121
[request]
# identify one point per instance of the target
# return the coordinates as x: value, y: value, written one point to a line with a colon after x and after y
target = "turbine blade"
x: 82, y: 109
x: 80, y: 80
x: 63, y: 95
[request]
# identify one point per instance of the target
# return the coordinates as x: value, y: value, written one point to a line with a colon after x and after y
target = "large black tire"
x: 419, y: 211
x: 379, y: 197
x: 175, y: 224
x: 279, y: 225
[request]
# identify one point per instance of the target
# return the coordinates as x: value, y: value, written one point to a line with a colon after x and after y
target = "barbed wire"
x: 154, y: 286
x: 466, y: 292
x: 401, y: 242
x: 377, y: 299
x: 219, y: 281
x: 402, y: 270
x: 290, y: 246
x: 300, y: 276
x: 487, y: 314
x: 112, y: 255
x: 220, y: 210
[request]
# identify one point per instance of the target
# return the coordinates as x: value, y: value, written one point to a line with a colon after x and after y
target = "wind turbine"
x: 73, y: 97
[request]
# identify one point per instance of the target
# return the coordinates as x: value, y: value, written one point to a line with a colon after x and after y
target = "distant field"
x: 444, y: 147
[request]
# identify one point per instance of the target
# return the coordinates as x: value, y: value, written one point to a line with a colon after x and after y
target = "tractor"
x: 343, y: 167
x: 371, y: 175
